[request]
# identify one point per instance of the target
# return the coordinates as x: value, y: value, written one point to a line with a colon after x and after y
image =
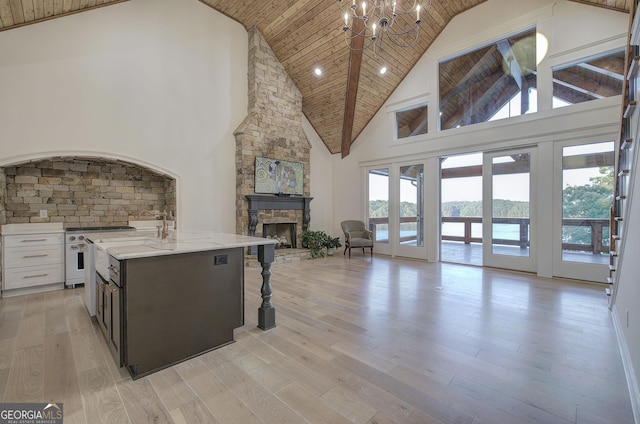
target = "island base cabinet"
x: 179, y: 306
x: 109, y: 315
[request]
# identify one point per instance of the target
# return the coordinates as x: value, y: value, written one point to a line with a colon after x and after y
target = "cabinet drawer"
x: 15, y: 278
x: 33, y: 240
x: 27, y: 256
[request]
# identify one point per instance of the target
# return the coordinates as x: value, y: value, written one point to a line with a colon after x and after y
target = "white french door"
x: 509, y: 224
x: 583, y: 192
x: 378, y: 208
x: 396, y: 212
x: 410, y: 217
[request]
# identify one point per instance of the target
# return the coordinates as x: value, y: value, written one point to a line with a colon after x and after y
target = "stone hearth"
x: 282, y: 256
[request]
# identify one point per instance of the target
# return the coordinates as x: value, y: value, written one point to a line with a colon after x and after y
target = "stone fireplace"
x: 276, y: 210
x: 272, y: 129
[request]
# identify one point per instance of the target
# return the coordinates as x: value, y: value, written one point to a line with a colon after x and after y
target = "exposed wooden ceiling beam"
x: 511, y: 60
x: 419, y: 124
x: 353, y: 78
x: 516, y: 71
x: 597, y: 70
x: 595, y: 86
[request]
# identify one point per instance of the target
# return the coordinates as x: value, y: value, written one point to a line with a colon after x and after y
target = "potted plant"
x: 332, y: 243
x: 315, y: 241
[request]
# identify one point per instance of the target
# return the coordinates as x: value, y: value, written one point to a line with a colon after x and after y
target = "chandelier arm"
x: 392, y: 33
x: 397, y: 44
x: 378, y: 19
x: 348, y: 40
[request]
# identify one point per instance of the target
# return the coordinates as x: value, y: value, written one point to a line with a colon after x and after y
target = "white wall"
x: 321, y: 183
x: 162, y: 83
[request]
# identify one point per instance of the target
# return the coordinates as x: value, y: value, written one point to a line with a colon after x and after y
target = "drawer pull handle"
x: 35, y: 256
x: 32, y: 240
x: 35, y: 276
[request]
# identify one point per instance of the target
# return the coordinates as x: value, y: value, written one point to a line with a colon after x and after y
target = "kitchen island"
x: 160, y: 302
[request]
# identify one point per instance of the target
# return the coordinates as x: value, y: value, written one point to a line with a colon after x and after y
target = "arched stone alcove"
x: 82, y: 191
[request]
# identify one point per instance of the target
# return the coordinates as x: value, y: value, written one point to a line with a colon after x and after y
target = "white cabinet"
x: 32, y: 257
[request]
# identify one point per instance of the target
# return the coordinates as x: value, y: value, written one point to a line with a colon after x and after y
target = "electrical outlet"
x: 43, y: 213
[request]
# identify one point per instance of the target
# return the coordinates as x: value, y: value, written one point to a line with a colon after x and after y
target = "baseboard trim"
x: 632, y: 382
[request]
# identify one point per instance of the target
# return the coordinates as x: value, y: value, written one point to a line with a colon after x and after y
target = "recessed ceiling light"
x: 383, y: 70
x: 317, y: 71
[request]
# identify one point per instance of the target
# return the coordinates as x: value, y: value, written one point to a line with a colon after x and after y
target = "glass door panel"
x: 586, y: 194
x: 511, y: 200
x: 508, y: 220
x: 379, y: 204
x: 461, y: 209
x: 411, y: 205
x: 410, y: 218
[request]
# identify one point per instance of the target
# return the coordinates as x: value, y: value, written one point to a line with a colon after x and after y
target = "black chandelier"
x: 379, y: 21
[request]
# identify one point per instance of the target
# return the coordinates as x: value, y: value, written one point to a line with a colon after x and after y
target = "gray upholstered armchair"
x: 356, y: 235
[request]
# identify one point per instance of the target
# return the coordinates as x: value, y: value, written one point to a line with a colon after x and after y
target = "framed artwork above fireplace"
x: 276, y: 176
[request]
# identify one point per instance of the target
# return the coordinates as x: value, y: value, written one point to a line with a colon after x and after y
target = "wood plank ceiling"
x: 305, y: 34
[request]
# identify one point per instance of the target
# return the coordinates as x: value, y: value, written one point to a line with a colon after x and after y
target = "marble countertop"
x: 35, y: 228
x: 139, y: 244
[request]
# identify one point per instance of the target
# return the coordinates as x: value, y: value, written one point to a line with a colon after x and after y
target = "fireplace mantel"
x: 258, y: 202
x: 262, y: 201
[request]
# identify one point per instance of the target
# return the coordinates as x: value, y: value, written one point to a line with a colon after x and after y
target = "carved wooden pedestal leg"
x: 266, y: 312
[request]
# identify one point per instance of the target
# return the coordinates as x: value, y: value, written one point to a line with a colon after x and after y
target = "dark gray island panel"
x: 179, y: 306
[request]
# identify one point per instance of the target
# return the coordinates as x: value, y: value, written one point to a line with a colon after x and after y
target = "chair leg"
x: 371, y: 252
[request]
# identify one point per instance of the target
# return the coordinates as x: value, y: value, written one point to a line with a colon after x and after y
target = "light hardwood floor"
x: 357, y: 341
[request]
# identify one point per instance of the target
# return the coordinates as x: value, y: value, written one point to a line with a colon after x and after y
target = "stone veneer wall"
x: 83, y: 192
x: 3, y: 216
x: 3, y: 196
x: 273, y: 129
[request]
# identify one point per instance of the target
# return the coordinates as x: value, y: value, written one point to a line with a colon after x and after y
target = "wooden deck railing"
x: 373, y: 222
x: 596, y: 227
x: 523, y: 223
